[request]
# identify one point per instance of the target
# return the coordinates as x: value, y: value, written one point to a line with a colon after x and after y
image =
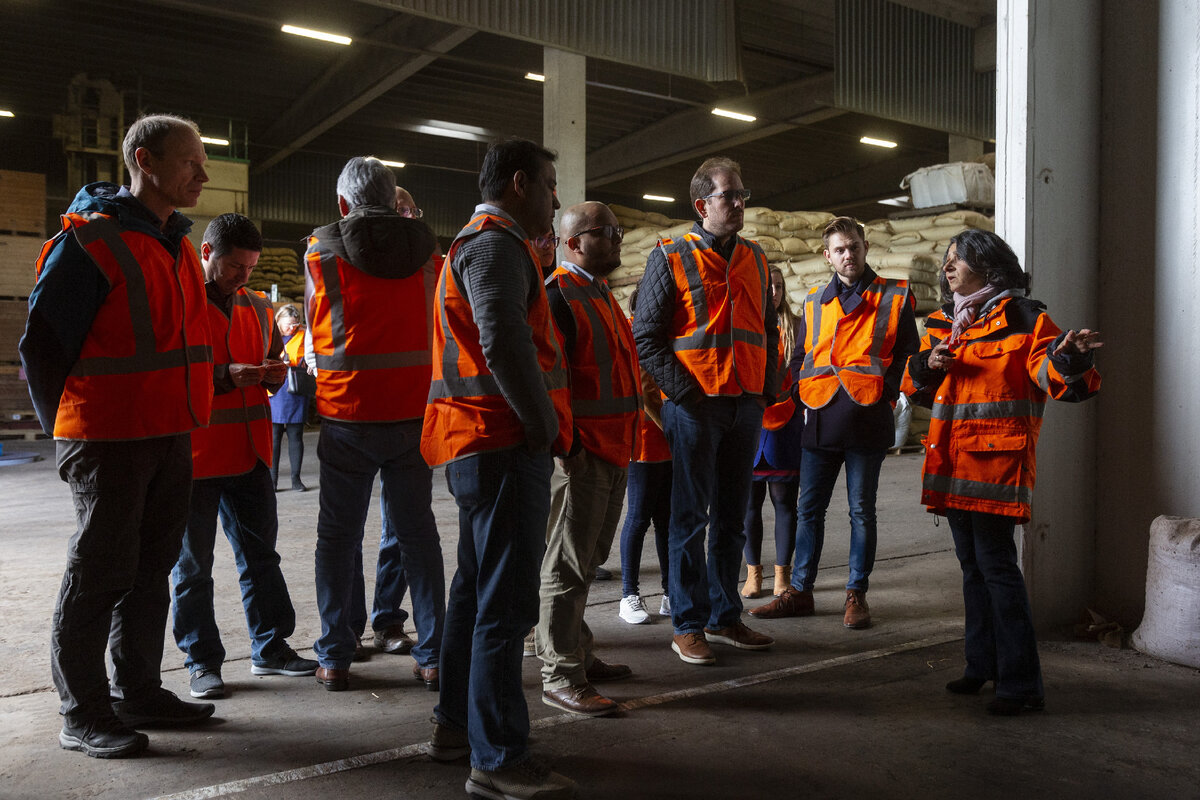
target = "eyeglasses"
x: 546, y: 241
x: 730, y: 195
x: 412, y: 212
x: 614, y: 232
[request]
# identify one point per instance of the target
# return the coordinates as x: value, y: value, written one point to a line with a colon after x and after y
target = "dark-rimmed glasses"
x: 549, y: 240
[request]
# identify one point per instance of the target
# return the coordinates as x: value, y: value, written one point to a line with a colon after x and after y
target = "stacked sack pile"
x: 280, y: 266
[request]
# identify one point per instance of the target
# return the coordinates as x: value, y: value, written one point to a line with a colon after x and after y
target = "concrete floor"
x: 827, y: 712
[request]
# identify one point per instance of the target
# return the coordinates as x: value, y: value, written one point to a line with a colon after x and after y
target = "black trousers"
x: 295, y: 434
x: 131, y: 502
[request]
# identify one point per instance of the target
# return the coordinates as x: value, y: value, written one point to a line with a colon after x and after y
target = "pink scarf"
x: 966, y: 309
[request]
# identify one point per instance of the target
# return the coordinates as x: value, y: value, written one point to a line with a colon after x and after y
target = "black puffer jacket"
x: 378, y: 241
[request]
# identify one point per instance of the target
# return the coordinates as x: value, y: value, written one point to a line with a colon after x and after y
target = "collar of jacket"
x: 834, y: 290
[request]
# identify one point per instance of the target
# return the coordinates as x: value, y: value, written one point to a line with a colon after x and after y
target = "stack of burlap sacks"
x: 909, y: 249
x: 280, y: 266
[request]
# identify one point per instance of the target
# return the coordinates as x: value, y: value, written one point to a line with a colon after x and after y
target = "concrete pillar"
x: 963, y: 148
x: 564, y: 123
x: 1047, y: 206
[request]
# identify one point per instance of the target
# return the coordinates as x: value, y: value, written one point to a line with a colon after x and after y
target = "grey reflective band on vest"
x: 883, y: 315
x: 702, y: 339
x: 233, y: 416
x: 875, y: 368
x: 148, y: 362
x: 605, y: 407
x: 978, y: 490
x: 1001, y: 409
x: 365, y: 361
x: 1043, y: 374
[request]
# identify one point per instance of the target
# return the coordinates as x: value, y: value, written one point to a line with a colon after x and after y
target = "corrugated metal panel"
x: 901, y: 64
x: 694, y: 38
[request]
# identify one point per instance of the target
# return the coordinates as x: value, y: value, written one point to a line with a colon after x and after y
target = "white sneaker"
x: 633, y: 610
x: 664, y: 608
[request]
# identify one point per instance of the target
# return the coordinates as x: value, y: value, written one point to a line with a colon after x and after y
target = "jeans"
x: 783, y: 498
x: 295, y: 437
x: 246, y: 504
x: 713, y: 445
x: 648, y: 501
x: 503, y: 500
x: 351, y: 454
x: 390, y: 583
x: 818, y: 474
x: 999, y: 638
x: 131, y: 501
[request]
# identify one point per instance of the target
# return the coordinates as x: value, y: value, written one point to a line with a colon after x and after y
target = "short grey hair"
x: 366, y: 181
x: 151, y: 132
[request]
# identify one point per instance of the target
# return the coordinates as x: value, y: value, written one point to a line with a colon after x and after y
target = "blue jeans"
x: 818, y: 474
x: 246, y: 504
x: 503, y: 502
x: 648, y: 500
x: 351, y: 454
x: 712, y: 445
x: 999, y: 639
x: 390, y: 583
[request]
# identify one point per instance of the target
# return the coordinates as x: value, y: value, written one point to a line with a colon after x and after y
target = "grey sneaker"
x: 664, y: 608
x: 286, y: 663
x: 207, y: 683
x: 447, y: 743
x: 529, y: 780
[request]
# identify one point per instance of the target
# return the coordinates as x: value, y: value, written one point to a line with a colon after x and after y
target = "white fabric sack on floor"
x: 1170, y: 628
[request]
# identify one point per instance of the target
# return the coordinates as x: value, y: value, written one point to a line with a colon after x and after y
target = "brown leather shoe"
x: 858, y: 615
x: 792, y: 603
x: 583, y: 700
x: 361, y: 653
x: 739, y: 636
x: 693, y: 648
x: 427, y: 674
x: 334, y: 680
x: 599, y: 672
x: 394, y: 640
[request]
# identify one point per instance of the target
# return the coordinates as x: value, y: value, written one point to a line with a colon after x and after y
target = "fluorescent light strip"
x: 311, y: 34
x: 396, y: 164
x: 533, y: 76
x: 214, y: 140
x: 659, y: 198
x: 877, y: 142
x: 900, y: 202
x: 4, y: 112
x: 720, y: 112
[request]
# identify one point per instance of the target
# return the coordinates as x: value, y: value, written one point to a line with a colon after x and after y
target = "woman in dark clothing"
x: 288, y: 411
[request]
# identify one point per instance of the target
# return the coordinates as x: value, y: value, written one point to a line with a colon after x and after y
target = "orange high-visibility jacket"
x: 987, y: 409
x: 605, y: 385
x: 145, y: 369
x: 467, y: 412
x: 293, y: 349
x: 372, y: 338
x: 239, y: 433
x: 719, y: 336
x: 852, y: 350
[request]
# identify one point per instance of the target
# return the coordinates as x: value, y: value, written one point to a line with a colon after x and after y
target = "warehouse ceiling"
x: 420, y: 63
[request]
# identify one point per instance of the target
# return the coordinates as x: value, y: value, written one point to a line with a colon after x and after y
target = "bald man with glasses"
x: 706, y: 332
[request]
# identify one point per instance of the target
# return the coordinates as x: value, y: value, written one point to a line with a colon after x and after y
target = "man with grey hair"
x: 369, y: 298
x: 119, y: 364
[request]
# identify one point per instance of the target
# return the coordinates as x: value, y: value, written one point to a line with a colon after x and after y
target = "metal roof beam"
x: 694, y: 132
x: 869, y: 184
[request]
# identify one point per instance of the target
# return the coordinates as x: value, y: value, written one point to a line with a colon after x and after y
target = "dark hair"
x: 633, y: 298
x: 988, y: 255
x: 150, y: 132
x: 703, y: 183
x: 367, y: 181
x: 846, y: 226
x: 508, y: 158
x: 230, y: 231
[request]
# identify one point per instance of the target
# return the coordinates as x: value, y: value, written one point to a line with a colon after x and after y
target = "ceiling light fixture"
x: 533, y: 76
x: 4, y: 112
x: 453, y: 130
x: 877, y: 142
x: 658, y: 198
x: 721, y: 112
x: 311, y: 34
x: 903, y: 201
x: 214, y: 140
x: 396, y: 164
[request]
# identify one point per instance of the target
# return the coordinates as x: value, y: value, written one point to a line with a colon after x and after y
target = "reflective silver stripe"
x: 262, y: 309
x: 812, y: 315
x: 999, y: 492
x: 874, y: 367
x: 584, y: 295
x: 148, y: 362
x: 365, y: 361
x: 606, y: 406
x: 101, y: 228
x: 232, y: 416
x: 998, y: 410
x: 1043, y: 374
x: 473, y: 386
x: 883, y: 315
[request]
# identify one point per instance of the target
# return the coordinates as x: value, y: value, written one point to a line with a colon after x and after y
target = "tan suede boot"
x: 783, y: 578
x: 753, y: 584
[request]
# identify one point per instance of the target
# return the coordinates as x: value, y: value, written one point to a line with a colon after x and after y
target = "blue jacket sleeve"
x: 62, y: 307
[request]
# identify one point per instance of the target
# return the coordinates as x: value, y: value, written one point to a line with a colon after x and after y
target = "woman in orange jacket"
x: 988, y: 362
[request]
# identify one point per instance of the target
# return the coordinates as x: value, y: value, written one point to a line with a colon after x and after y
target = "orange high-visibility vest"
x: 239, y: 433
x: 467, y: 412
x: 851, y: 350
x: 719, y: 335
x: 293, y: 349
x: 145, y: 368
x: 372, y: 338
x: 780, y: 413
x: 605, y: 383
x: 980, y: 452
